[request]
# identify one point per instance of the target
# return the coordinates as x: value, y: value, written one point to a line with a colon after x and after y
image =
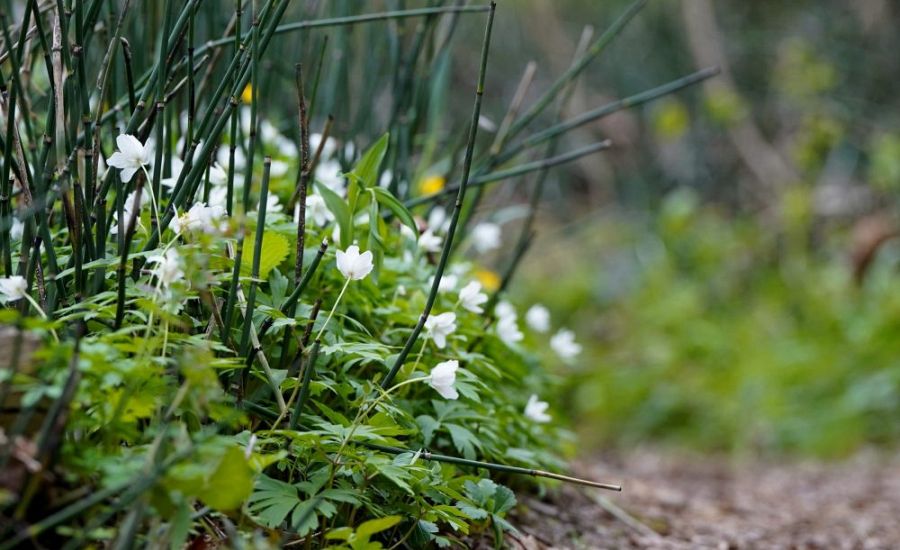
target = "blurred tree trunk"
x: 771, y: 170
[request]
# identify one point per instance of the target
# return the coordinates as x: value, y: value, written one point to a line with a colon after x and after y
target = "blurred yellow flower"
x: 488, y: 279
x: 671, y: 119
x: 247, y: 94
x: 432, y: 185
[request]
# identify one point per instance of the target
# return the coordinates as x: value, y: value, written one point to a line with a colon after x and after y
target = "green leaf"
x: 373, y: 526
x: 275, y: 248
x: 366, y: 169
x: 398, y: 476
x: 464, y: 440
x: 341, y: 211
x: 472, y: 511
x: 230, y: 484
x: 375, y: 243
x: 272, y: 501
x: 304, y: 518
x: 504, y: 499
x: 278, y: 284
x: 482, y: 491
x: 387, y: 199
x: 341, y: 533
x: 428, y: 425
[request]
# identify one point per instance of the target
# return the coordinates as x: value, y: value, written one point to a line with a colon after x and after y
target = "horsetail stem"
x: 454, y: 219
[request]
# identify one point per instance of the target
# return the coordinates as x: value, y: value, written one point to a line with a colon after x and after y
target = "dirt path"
x: 691, y: 502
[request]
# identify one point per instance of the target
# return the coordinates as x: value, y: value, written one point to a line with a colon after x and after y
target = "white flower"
x: 218, y: 196
x: 537, y: 410
x: 438, y: 220
x: 272, y: 203
x: 223, y: 157
x: 278, y: 168
x: 17, y: 229
x: 13, y: 288
x: 407, y: 232
x: 268, y: 131
x: 385, y: 179
x: 177, y: 167
x: 127, y: 209
x: 441, y: 326
x: 429, y: 242
x: 200, y: 217
x: 168, y: 267
x: 505, y: 309
x: 471, y: 297
x: 447, y: 284
x: 328, y: 149
x: 487, y: 124
x: 217, y: 174
x: 354, y: 265
x: 329, y: 174
x: 316, y: 210
x: 564, y: 344
x: 508, y: 330
x: 486, y: 237
x: 442, y: 378
x: 538, y: 318
x: 130, y: 156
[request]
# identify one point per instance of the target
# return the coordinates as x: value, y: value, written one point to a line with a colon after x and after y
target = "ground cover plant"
x: 244, y: 302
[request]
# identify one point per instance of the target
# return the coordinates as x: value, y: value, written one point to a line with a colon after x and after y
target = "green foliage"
x: 167, y: 395
x: 724, y: 335
x: 275, y: 249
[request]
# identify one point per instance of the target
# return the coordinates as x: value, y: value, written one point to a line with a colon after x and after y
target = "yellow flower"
x: 432, y: 185
x: 488, y: 279
x: 247, y: 94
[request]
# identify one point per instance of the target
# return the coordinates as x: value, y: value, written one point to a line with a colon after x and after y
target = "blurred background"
x: 729, y: 266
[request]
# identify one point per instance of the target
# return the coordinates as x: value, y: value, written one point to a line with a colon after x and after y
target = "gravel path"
x: 680, y: 502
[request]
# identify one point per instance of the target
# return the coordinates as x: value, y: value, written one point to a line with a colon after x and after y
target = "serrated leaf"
x: 428, y: 425
x: 275, y: 248
x: 272, y: 501
x: 304, y: 519
x: 464, y: 440
x: 472, y: 511
x: 504, y: 499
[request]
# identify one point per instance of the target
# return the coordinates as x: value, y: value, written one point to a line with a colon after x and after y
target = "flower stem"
x: 152, y: 198
x: 364, y: 410
x: 333, y: 308
x: 37, y: 307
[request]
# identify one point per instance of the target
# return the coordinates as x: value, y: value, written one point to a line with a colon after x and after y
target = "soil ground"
x: 672, y: 501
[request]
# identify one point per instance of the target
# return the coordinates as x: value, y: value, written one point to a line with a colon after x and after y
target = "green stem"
x: 333, y: 308
x: 608, y: 109
x: 426, y: 455
x: 448, y: 242
x: 519, y: 170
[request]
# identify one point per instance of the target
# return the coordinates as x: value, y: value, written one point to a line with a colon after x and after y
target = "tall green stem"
x: 448, y: 242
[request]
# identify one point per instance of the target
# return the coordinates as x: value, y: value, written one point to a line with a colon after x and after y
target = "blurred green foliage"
x: 714, y: 332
